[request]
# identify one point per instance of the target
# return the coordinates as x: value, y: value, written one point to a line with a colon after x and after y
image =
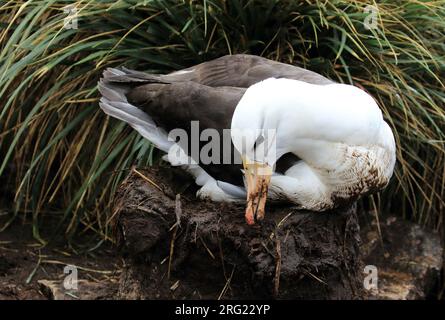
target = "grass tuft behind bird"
x: 64, y: 157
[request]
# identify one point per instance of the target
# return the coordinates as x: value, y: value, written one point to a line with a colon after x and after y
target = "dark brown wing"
x: 175, y: 105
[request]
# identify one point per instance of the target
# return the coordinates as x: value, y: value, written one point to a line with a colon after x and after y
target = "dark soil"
x: 23, y: 263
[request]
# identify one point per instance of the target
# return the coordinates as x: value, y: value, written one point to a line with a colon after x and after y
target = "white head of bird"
x: 308, y: 120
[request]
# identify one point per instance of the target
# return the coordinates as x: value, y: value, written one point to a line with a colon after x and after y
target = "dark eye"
x: 258, y: 141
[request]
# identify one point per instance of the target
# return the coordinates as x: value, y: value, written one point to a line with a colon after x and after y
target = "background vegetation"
x: 62, y: 157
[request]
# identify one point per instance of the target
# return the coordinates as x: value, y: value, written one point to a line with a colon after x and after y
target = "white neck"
x: 309, y: 117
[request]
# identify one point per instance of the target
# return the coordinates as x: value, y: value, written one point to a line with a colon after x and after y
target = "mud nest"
x: 177, y: 247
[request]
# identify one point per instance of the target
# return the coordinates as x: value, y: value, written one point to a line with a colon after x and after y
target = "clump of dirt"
x: 181, y: 248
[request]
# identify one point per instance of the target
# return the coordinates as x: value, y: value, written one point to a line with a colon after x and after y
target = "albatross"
x: 331, y: 144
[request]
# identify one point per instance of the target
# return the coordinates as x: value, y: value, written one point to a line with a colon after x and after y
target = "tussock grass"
x: 66, y: 158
